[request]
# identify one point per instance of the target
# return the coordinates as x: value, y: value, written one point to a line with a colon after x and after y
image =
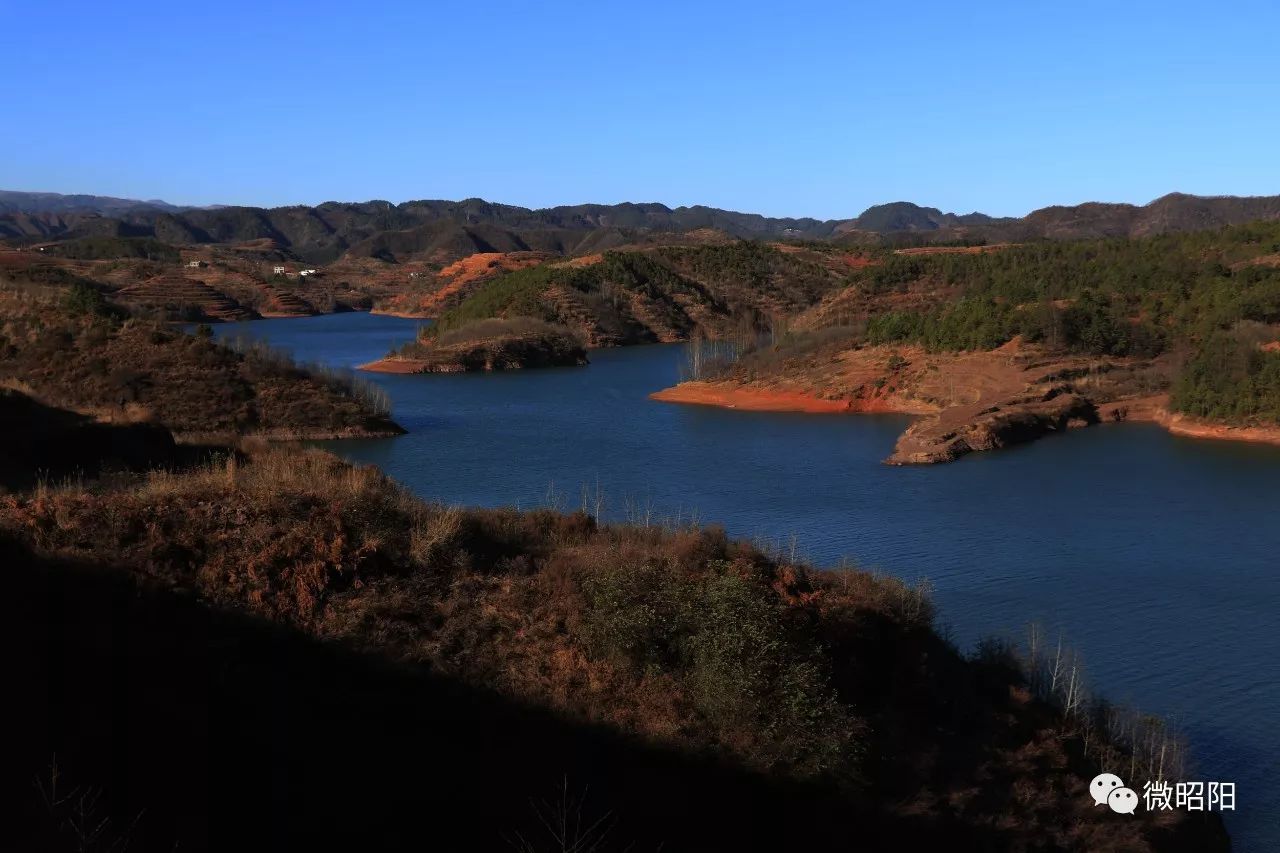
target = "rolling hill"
x: 12, y: 201
x: 323, y: 233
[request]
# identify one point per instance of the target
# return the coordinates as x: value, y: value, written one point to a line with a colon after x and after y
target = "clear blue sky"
x: 799, y: 109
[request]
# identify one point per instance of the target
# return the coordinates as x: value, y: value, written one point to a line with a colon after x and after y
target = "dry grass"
x: 679, y: 636
x: 495, y: 595
x: 93, y: 361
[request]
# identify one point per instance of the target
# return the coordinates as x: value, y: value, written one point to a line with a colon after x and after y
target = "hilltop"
x: 12, y: 201
x: 1008, y: 343
x: 660, y: 294
x: 325, y: 232
x: 486, y: 345
x: 426, y: 258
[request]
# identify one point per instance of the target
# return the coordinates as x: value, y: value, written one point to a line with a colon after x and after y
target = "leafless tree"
x: 564, y: 826
x: 77, y: 817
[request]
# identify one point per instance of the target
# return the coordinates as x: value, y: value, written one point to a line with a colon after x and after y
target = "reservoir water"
x: 1155, y: 556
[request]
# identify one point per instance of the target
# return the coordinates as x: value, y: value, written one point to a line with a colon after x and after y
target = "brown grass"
x: 679, y: 636
x: 134, y: 369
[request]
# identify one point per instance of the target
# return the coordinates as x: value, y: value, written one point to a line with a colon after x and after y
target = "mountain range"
x: 12, y: 201
x: 390, y: 231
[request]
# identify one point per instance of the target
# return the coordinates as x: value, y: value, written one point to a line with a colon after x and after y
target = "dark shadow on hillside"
x: 228, y: 733
x: 42, y: 442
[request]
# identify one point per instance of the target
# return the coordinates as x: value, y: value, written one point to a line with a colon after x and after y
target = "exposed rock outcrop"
x: 932, y: 440
x: 969, y: 402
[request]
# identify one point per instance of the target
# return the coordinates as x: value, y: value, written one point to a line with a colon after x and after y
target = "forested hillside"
x: 1210, y: 298
x: 322, y: 233
x: 665, y: 294
x: 1169, y: 285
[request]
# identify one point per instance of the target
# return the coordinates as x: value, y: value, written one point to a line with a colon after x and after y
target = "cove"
x: 1155, y: 556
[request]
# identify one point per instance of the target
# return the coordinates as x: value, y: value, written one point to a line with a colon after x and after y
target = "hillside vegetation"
x: 1162, y: 285
x: 1209, y: 299
x: 272, y: 647
x: 97, y: 248
x: 830, y: 690
x: 73, y: 348
x: 663, y: 294
x: 381, y: 229
x: 486, y: 345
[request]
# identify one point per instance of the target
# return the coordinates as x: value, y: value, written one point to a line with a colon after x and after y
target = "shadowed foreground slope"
x: 229, y: 733
x: 284, y: 652
x: 45, y: 443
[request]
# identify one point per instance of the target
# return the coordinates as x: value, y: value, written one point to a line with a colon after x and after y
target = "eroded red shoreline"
x: 726, y: 395
x: 1154, y: 409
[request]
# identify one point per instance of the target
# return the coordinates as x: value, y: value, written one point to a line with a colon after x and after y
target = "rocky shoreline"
x: 1188, y: 427
x: 932, y: 440
x: 969, y: 402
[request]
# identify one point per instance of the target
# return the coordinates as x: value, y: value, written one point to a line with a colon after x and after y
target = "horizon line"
x: 217, y: 205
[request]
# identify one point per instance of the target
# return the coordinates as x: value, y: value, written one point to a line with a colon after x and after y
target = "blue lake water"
x: 1156, y: 556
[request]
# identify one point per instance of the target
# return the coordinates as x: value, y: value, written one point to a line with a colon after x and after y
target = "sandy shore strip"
x: 393, y: 365
x: 730, y: 396
x: 1193, y: 428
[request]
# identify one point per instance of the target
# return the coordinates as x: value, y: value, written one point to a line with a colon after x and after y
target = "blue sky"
x: 800, y: 109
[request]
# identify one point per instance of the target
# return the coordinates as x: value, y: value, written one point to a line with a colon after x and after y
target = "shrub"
x: 635, y: 614
x: 726, y: 638
x: 83, y: 298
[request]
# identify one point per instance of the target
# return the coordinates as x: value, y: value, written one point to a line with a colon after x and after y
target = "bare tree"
x: 564, y: 826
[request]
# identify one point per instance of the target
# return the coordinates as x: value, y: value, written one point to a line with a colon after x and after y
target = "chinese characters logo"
x: 1109, y: 789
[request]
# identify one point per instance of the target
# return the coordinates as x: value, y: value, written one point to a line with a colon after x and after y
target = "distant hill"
x: 905, y: 216
x: 23, y: 202
x: 1172, y: 213
x: 450, y: 229
x: 904, y: 222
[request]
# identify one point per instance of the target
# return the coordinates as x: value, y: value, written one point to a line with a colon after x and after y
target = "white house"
x: 278, y: 270
x: 309, y: 272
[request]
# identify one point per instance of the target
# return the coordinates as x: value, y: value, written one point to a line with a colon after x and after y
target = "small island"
x: 486, y: 345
